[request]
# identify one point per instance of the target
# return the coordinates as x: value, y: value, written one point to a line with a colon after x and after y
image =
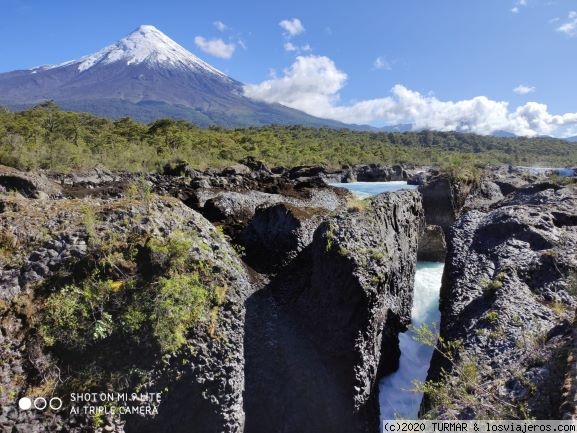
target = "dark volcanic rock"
x: 277, y: 233
x: 306, y: 171
x: 255, y: 165
x: 318, y: 337
x: 432, y: 245
x: 509, y: 295
x: 47, y: 244
x: 379, y: 173
x: 234, y: 210
x: 443, y: 199
x: 483, y: 196
x: 439, y: 202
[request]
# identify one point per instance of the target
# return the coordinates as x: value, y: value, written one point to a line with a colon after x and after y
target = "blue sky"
x: 441, y: 63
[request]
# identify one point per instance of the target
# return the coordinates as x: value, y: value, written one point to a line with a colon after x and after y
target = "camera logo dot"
x: 24, y: 403
x: 55, y: 403
x: 39, y: 403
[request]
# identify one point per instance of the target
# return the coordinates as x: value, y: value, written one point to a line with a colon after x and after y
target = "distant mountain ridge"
x: 147, y: 75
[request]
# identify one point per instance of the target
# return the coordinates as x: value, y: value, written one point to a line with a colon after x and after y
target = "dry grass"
x: 357, y: 204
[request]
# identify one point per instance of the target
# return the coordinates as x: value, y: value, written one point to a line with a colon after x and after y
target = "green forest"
x: 48, y: 138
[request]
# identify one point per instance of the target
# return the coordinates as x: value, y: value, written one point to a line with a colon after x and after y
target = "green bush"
x: 173, y: 253
x: 66, y: 318
x: 159, y: 308
x: 460, y: 384
x: 182, y: 301
x: 76, y: 315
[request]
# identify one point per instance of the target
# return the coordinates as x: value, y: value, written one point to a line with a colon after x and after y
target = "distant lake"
x: 368, y: 189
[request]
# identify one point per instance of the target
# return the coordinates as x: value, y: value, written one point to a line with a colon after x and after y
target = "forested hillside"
x: 47, y: 138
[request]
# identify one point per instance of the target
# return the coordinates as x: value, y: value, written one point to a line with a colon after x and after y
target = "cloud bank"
x: 312, y: 84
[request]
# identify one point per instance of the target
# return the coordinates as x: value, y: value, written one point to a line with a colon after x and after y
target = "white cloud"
x: 290, y: 47
x: 570, y: 27
x: 292, y: 27
x: 220, y: 26
x: 382, y: 64
x: 522, y: 89
x: 215, y: 47
x: 518, y: 5
x: 312, y: 84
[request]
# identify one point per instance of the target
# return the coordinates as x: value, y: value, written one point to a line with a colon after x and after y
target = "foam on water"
x: 397, y: 400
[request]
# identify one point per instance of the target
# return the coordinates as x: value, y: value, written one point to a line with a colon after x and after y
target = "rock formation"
x: 62, y: 259
x: 508, y: 295
x: 432, y: 245
x: 330, y: 320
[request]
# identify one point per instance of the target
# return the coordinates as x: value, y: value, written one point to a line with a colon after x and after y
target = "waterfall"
x: 397, y: 400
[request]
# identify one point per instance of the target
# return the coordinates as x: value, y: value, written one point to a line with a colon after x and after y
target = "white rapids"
x: 396, y: 396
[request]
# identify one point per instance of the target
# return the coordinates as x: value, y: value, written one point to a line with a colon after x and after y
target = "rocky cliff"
x: 330, y: 320
x: 507, y: 304
x: 129, y: 295
x: 443, y: 199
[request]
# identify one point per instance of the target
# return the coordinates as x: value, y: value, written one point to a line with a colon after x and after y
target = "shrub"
x: 182, y: 301
x: 461, y: 384
x: 330, y: 236
x: 173, y: 253
x: 357, y: 204
x: 74, y: 316
x: 9, y: 246
x: 64, y: 316
x: 492, y: 317
x: 179, y: 294
x: 141, y: 191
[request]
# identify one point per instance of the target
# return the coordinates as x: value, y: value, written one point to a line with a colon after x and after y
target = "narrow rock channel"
x: 396, y: 397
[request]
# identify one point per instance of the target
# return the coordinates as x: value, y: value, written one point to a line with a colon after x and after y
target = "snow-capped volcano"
x: 146, y: 44
x: 146, y: 75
